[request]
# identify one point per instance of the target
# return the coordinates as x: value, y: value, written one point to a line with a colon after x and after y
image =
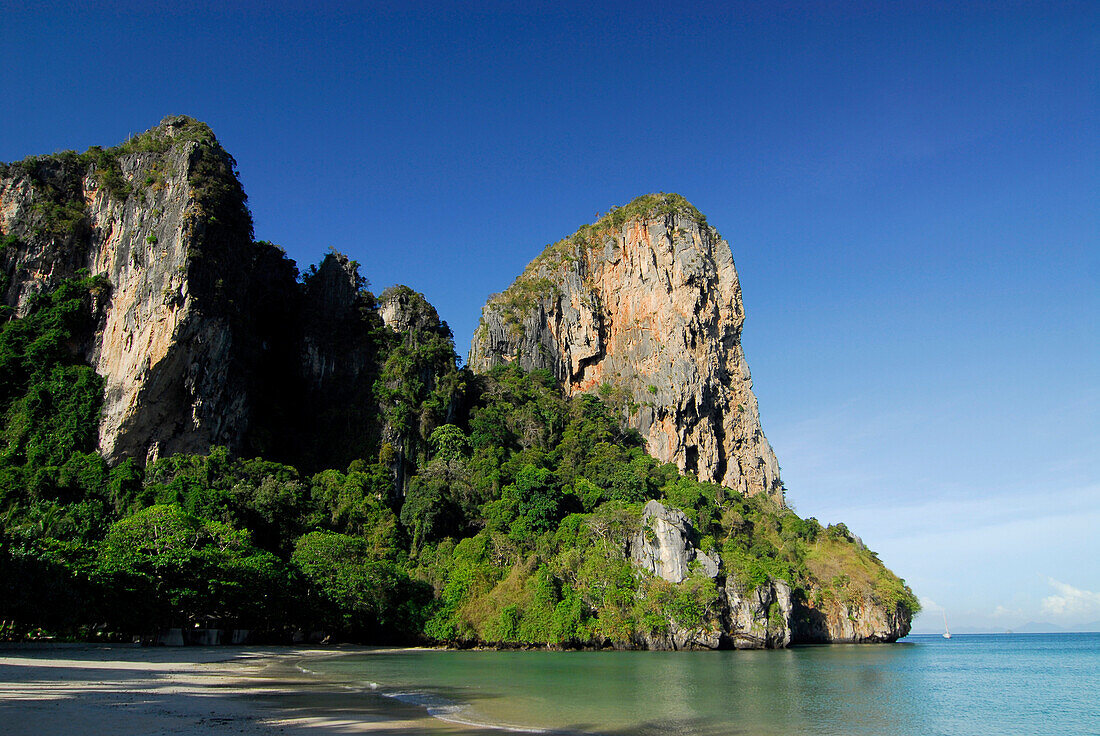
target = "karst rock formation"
x: 645, y: 307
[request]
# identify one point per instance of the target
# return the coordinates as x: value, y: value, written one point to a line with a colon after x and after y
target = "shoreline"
x: 127, y: 690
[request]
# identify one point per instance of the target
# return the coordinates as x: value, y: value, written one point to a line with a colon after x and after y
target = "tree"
x: 353, y: 504
x: 449, y: 442
x: 166, y: 566
x: 359, y: 594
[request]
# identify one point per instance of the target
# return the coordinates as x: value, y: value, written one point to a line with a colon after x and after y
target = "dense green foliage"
x: 49, y: 401
x: 414, y: 500
x: 558, y: 487
x: 491, y: 509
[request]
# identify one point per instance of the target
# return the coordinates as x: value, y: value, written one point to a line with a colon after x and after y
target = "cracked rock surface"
x: 648, y: 305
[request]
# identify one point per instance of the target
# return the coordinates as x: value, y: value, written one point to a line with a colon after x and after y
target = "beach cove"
x: 973, y: 684
x: 124, y: 690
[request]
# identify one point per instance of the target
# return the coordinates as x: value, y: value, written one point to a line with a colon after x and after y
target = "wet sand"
x: 132, y: 691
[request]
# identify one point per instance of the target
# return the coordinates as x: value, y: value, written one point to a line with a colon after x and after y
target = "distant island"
x: 1031, y: 627
x: 202, y: 444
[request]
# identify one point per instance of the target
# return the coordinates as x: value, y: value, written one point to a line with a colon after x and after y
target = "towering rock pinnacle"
x: 164, y: 218
x: 645, y: 307
x: 204, y: 336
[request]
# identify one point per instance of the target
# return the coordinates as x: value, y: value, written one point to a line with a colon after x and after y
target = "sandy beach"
x: 95, y: 690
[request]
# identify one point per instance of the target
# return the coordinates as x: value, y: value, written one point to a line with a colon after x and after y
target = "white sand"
x: 90, y: 690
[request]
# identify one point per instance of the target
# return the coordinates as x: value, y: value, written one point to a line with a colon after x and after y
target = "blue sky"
x: 911, y: 192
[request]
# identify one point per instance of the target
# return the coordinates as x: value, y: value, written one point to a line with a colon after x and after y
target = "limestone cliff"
x: 856, y: 622
x: 206, y: 337
x: 644, y: 306
x: 340, y: 342
x: 664, y: 546
x: 163, y: 217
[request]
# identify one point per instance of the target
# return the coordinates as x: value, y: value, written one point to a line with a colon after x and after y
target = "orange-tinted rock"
x: 647, y: 303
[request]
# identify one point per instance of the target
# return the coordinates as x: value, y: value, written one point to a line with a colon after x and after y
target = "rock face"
x: 645, y: 305
x: 144, y: 219
x: 337, y: 351
x: 765, y: 616
x: 405, y: 311
x: 207, y: 337
x: 759, y: 618
x: 664, y: 545
x: 852, y: 623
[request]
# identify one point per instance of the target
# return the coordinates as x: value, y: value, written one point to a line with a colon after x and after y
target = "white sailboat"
x: 946, y: 631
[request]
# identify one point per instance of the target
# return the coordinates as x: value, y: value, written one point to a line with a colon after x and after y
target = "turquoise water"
x: 1027, y: 684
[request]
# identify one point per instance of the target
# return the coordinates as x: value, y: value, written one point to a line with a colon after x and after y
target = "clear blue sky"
x: 911, y: 192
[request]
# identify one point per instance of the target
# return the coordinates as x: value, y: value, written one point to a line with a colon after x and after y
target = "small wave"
x: 444, y: 710
x: 479, y: 724
x: 362, y: 687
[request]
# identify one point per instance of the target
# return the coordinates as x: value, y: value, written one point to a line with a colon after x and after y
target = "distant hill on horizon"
x: 1031, y: 627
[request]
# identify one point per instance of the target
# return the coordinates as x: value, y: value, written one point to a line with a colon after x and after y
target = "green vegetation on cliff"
x: 57, y: 178
x: 509, y: 526
x: 396, y: 497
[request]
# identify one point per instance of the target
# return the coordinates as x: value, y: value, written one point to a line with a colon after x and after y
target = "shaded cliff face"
x: 205, y: 337
x: 644, y: 307
x: 163, y: 217
x: 340, y: 344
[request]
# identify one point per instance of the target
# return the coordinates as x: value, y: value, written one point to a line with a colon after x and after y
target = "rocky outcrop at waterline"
x: 747, y: 615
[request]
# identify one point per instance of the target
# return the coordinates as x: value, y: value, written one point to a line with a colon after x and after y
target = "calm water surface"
x: 1026, y: 684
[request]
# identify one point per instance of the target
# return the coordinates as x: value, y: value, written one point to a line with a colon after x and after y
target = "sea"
x: 970, y: 685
